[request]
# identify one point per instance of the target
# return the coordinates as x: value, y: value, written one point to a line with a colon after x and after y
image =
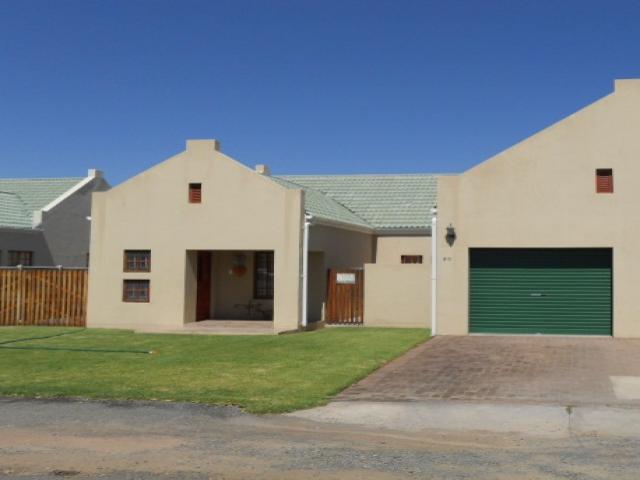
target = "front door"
x: 203, y: 297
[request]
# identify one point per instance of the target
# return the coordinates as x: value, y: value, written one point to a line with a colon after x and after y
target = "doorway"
x: 203, y: 295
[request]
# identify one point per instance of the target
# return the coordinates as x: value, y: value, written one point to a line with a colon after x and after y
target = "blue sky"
x: 305, y: 86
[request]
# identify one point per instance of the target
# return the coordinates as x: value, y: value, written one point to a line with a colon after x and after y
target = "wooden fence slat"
x: 43, y: 296
x: 345, y: 302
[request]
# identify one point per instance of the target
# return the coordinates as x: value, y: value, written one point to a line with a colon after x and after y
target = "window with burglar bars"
x: 411, y: 258
x: 263, y: 275
x: 137, y: 260
x: 136, y: 291
x: 20, y: 257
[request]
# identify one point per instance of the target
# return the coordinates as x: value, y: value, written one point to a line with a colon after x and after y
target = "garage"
x: 546, y: 291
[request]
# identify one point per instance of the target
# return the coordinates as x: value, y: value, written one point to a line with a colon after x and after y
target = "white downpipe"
x: 434, y: 271
x: 305, y: 268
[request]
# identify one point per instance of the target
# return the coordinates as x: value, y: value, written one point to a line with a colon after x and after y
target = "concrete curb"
x: 538, y: 420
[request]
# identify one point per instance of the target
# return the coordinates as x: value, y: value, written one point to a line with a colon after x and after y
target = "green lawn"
x: 259, y: 373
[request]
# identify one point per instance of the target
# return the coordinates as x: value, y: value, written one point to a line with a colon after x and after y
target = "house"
x: 45, y: 221
x: 543, y: 237
x: 201, y: 236
x: 540, y: 239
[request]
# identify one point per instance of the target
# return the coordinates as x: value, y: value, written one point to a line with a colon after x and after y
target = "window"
x: 411, y: 259
x: 135, y: 291
x: 263, y: 275
x: 604, y: 180
x: 137, y: 260
x: 195, y: 193
x: 20, y: 257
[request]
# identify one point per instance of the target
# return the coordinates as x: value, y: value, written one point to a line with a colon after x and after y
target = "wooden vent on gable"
x: 195, y: 193
x: 604, y: 180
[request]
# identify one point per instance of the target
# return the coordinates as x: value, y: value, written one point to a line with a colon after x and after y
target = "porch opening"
x: 234, y: 285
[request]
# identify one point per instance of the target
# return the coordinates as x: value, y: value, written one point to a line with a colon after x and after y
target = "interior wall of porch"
x: 317, y: 286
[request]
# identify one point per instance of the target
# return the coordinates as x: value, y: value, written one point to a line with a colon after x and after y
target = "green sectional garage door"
x: 553, y: 291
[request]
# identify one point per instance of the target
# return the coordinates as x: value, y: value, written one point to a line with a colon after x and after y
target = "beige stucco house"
x: 540, y: 239
x: 201, y: 236
x: 543, y: 237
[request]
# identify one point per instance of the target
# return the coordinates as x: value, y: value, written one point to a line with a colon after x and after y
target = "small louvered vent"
x: 604, y: 180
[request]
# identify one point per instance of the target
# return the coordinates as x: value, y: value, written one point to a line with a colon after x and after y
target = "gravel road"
x: 133, y: 440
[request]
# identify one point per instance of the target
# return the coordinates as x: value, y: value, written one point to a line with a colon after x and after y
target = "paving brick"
x: 564, y: 370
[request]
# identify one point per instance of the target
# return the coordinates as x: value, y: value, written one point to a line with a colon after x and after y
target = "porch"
x: 233, y: 289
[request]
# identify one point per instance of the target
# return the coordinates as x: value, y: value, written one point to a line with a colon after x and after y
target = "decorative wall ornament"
x: 239, y: 268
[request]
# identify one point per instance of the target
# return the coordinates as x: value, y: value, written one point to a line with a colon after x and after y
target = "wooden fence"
x: 43, y: 296
x: 345, y: 297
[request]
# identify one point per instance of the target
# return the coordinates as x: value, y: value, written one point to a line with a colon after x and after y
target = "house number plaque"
x: 346, y: 278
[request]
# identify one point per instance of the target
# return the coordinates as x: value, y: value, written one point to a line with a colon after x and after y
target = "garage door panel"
x: 561, y: 291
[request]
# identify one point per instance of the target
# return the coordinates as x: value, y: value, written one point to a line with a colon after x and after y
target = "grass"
x: 258, y: 373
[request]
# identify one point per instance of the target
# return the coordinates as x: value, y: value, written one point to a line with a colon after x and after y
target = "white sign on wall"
x: 346, y: 278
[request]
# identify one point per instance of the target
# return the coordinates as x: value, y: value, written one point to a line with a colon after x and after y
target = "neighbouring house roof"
x: 13, y: 211
x: 380, y: 202
x: 21, y: 197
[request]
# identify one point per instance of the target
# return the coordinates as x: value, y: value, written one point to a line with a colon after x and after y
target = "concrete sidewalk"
x: 501, y: 418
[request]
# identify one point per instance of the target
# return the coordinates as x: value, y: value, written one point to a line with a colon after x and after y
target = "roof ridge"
x: 416, y: 174
x: 38, y: 178
x: 325, y: 194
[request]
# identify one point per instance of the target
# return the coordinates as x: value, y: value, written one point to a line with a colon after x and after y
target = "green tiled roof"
x: 323, y: 206
x: 20, y: 197
x: 381, y: 202
x: 13, y: 212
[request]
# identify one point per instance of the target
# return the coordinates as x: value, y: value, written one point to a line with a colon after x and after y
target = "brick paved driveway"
x: 564, y: 370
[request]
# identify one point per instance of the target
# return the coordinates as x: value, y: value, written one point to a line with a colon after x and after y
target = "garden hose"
x: 26, y: 339
x: 71, y: 349
x: 7, y: 345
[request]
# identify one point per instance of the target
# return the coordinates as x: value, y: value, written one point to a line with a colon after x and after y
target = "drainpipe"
x: 434, y: 270
x: 305, y: 267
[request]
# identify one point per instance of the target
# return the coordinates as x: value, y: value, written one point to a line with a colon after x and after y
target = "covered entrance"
x: 234, y: 285
x: 537, y: 290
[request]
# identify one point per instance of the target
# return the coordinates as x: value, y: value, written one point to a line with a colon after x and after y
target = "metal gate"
x: 345, y: 297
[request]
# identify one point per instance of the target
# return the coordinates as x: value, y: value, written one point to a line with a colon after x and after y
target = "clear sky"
x: 305, y: 86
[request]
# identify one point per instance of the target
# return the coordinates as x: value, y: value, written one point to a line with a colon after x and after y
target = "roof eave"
x: 404, y: 231
x: 60, y: 198
x: 10, y: 228
x: 327, y: 222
